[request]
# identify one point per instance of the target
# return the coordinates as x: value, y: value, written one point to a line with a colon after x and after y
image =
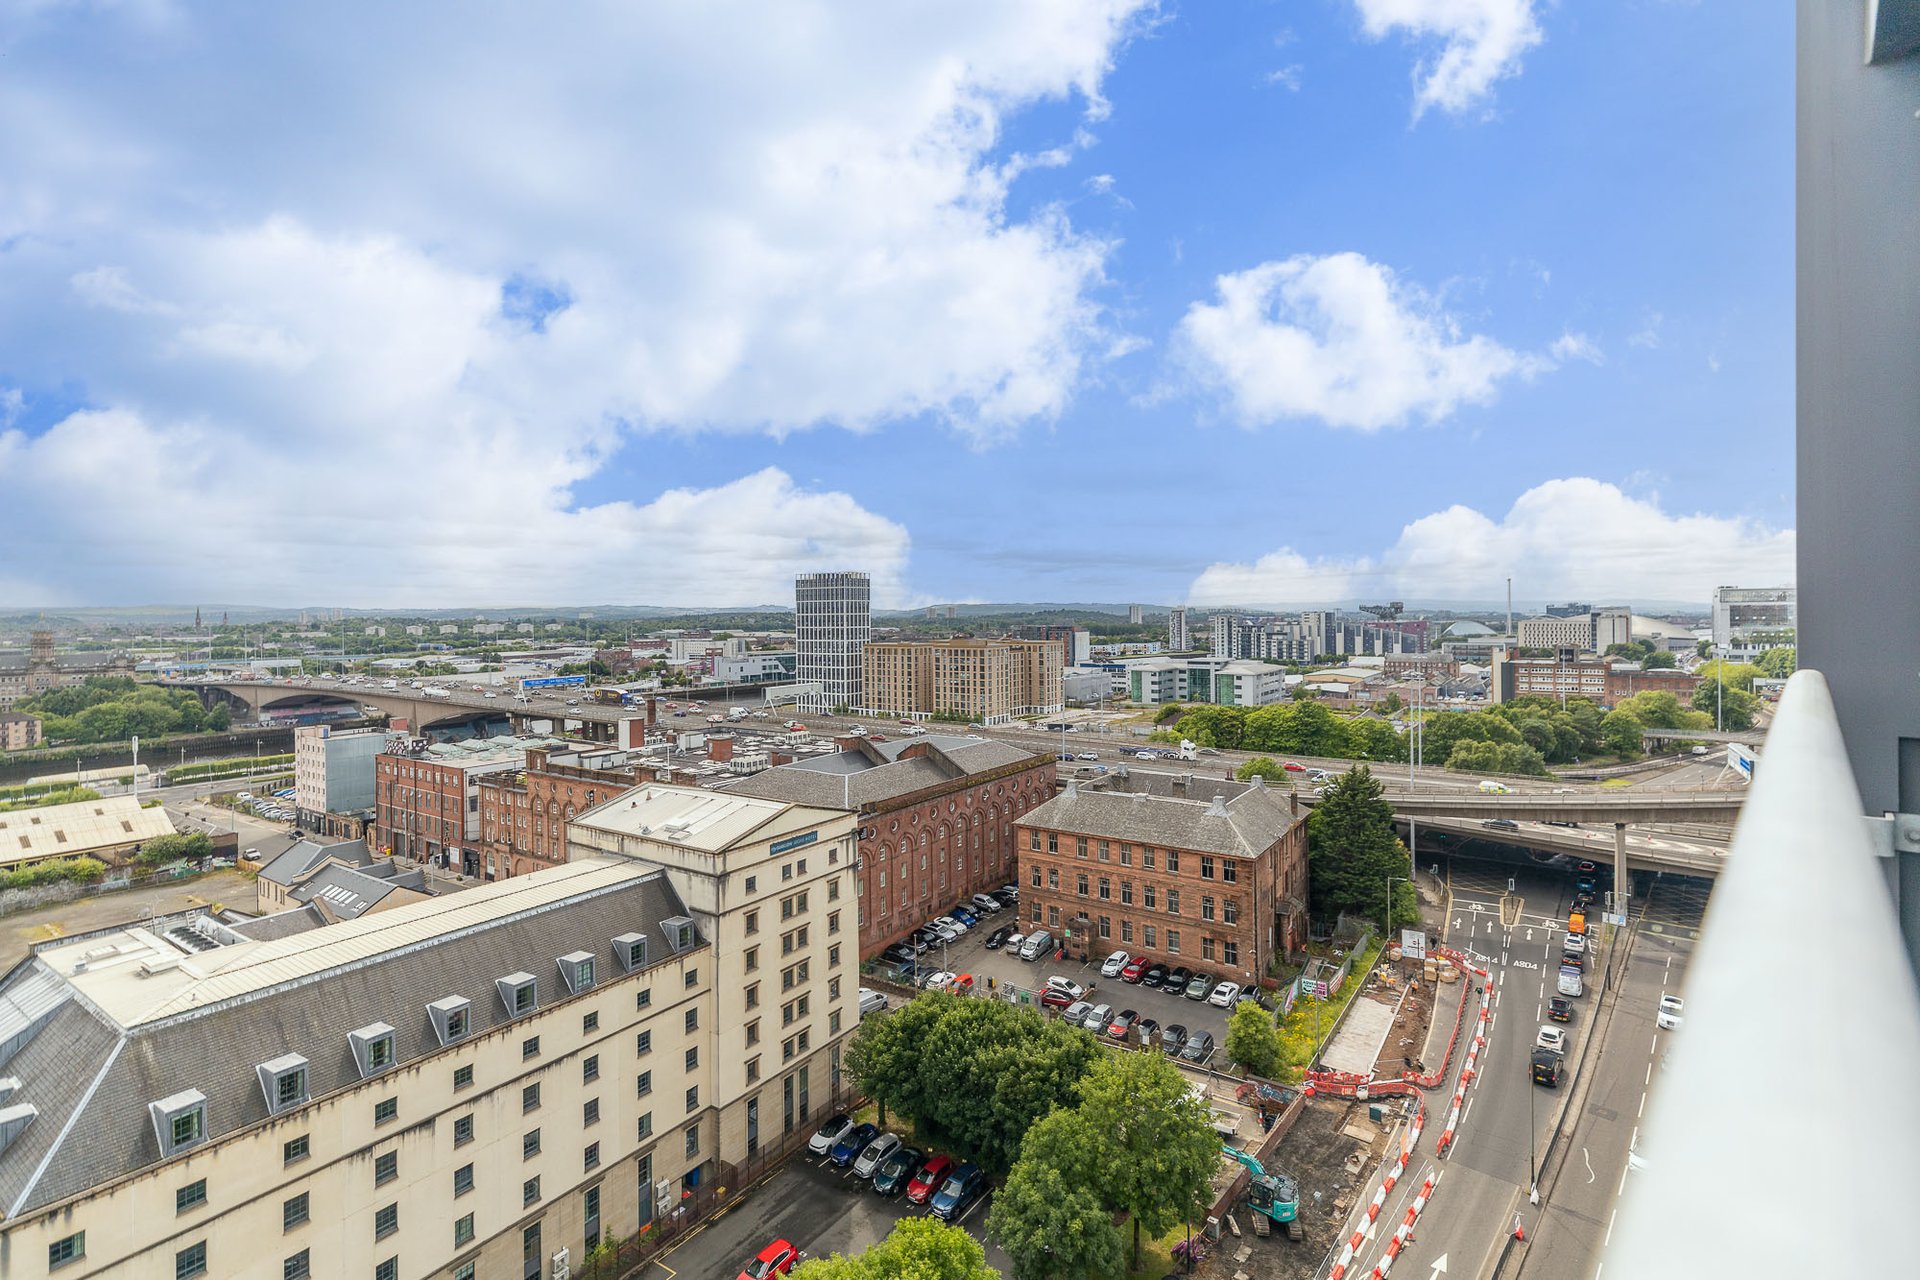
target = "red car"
x: 1294, y: 766
x: 776, y: 1259
x: 1056, y: 998
x: 1133, y: 971
x: 928, y: 1180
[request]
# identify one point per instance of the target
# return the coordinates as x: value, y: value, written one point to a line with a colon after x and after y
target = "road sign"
x: 1413, y: 944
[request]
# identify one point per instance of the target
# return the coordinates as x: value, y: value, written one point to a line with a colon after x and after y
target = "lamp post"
x: 1388, y: 928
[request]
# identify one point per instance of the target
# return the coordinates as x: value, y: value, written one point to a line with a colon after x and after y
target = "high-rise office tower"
x: 1177, y: 639
x: 832, y: 624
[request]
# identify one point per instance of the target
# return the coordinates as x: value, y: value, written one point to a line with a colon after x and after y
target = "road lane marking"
x: 1643, y: 1105
x: 1609, y: 1236
x: 1649, y: 1076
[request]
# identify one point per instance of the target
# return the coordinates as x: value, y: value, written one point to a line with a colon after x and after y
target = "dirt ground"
x: 19, y: 932
x: 1406, y: 1042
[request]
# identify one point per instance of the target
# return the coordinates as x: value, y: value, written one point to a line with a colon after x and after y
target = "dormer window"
x: 284, y: 1082
x: 679, y: 931
x: 373, y: 1048
x: 576, y: 970
x: 632, y: 950
x: 452, y: 1019
x: 518, y: 994
x: 179, y: 1121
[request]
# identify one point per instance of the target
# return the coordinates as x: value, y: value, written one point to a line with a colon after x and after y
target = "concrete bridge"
x: 421, y: 713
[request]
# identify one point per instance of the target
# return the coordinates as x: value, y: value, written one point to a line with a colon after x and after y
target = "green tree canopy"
x: 1253, y: 1041
x: 1352, y: 848
x: 1054, y: 1228
x: 1498, y: 757
x: 1662, y: 711
x: 1779, y: 663
x: 1158, y: 1151
x: 916, y: 1249
x: 1261, y: 767
x: 1660, y: 660
x: 1738, y: 675
x: 1735, y: 709
x: 1620, y: 732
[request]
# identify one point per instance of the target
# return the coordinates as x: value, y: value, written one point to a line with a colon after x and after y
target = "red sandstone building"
x: 524, y: 813
x: 936, y: 815
x: 1204, y: 873
x: 426, y: 797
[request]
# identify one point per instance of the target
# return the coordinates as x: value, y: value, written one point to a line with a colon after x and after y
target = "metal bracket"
x: 1894, y: 833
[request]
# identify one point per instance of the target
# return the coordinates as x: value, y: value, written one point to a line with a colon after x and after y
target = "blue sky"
x: 1249, y: 303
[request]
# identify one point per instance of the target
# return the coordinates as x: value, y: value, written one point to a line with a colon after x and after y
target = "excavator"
x: 1272, y: 1195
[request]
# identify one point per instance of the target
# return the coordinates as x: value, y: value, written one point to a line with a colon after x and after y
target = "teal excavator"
x: 1272, y: 1195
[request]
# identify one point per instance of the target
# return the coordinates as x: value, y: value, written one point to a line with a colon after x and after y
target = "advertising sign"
x: 553, y: 682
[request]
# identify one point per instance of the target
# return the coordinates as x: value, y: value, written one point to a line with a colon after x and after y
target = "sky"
x: 1274, y: 303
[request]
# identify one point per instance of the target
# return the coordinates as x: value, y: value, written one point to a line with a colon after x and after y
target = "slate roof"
x: 302, y: 856
x: 92, y: 1077
x: 345, y: 892
x: 1245, y: 825
x: 281, y: 924
x: 874, y: 773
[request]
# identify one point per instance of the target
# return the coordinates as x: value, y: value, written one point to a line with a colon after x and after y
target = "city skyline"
x: 1211, y: 305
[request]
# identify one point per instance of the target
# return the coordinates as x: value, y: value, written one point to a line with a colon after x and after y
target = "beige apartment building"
x: 988, y: 681
x: 479, y: 1085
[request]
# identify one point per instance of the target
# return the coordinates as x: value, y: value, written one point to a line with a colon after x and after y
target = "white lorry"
x: 1187, y: 750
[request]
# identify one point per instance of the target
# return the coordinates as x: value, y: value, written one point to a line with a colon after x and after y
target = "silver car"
x: 1099, y: 1018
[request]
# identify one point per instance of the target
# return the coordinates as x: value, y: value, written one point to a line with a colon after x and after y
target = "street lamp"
x: 1389, y: 922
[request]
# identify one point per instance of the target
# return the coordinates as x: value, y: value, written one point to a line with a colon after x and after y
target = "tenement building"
x: 427, y: 798
x: 936, y: 819
x: 1201, y: 872
x: 484, y: 1084
x: 524, y: 812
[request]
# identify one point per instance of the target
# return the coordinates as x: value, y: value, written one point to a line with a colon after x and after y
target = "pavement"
x: 1356, y: 1046
x: 820, y: 1209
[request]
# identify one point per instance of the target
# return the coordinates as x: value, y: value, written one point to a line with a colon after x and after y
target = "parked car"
x: 1098, y: 1019
x: 1199, y: 985
x: 1076, y: 1013
x: 1560, y: 1009
x: 1551, y: 1038
x: 935, y: 980
x: 852, y: 1143
x: 1225, y: 994
x: 1122, y: 1025
x: 998, y: 938
x: 1672, y: 1010
x: 1155, y: 975
x: 900, y: 953
x: 1172, y: 1037
x: 776, y: 1259
x: 871, y: 1001
x: 1199, y: 1047
x: 988, y: 903
x: 893, y: 1173
x: 1068, y: 985
x: 1148, y: 1032
x: 923, y: 1184
x: 963, y: 917
x: 1014, y: 942
x: 1114, y: 964
x: 1036, y: 944
x: 1055, y: 998
x: 1135, y: 970
x: 877, y: 1150
x: 1177, y: 979
x: 957, y: 1194
x: 830, y: 1131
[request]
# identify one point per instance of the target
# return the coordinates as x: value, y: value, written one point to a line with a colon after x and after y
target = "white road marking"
x: 1468, y: 1113
x: 1649, y: 1078
x: 1589, y: 1159
x: 1621, y: 1189
x: 1643, y: 1105
x: 1537, y: 1008
x: 1609, y: 1236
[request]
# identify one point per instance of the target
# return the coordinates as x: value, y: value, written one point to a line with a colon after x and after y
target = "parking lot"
x: 820, y: 1209
x: 970, y: 955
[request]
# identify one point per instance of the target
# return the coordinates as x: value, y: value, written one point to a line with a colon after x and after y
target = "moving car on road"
x: 1560, y: 1009
x: 1546, y: 1067
x: 1551, y: 1038
x: 1672, y: 1010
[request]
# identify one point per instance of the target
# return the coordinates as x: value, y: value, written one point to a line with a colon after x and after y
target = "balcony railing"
x: 1781, y: 1137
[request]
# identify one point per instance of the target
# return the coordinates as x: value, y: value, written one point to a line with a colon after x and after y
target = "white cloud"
x: 1574, y: 539
x: 437, y: 287
x: 1482, y: 42
x: 1577, y: 346
x: 1647, y: 336
x: 1341, y: 339
x: 1287, y: 77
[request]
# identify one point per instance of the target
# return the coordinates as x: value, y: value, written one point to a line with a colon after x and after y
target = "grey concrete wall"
x: 1858, y: 266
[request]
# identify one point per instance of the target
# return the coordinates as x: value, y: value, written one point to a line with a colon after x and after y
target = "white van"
x: 1493, y: 788
x: 871, y: 1001
x: 1570, y: 983
x: 1037, y: 942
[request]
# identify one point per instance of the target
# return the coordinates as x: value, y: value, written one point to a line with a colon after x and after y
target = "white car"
x: 937, y: 979
x: 1552, y: 1038
x: 1115, y: 963
x: 871, y: 1001
x: 1068, y: 985
x: 1671, y: 1010
x: 1089, y: 755
x: 1225, y: 994
x: 947, y: 928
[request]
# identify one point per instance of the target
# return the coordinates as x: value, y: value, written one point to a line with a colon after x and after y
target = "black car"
x: 1199, y: 1047
x: 1007, y: 897
x: 1501, y: 824
x: 1546, y: 1067
x: 1172, y: 1037
x: 900, y: 953
x: 998, y: 938
x: 1177, y: 980
x: 897, y: 1170
x: 1154, y: 976
x: 1560, y: 1009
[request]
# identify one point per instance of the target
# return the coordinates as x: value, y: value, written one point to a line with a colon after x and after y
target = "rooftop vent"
x: 1217, y: 807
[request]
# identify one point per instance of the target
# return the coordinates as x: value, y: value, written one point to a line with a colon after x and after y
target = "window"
x: 592, y: 1156
x: 293, y: 1212
x: 590, y: 1112
x: 753, y: 959
x: 1104, y: 853
x: 67, y: 1249
x: 190, y: 1261
x: 298, y: 1267
x: 464, y: 1271
x: 590, y: 1069
x: 386, y: 1110
x: 833, y: 1022
x: 1126, y: 855
x: 645, y: 1128
x: 1079, y: 846
x: 1106, y: 927
x: 833, y: 922
x: 753, y: 922
x: 1053, y: 842
x: 387, y: 1270
x: 386, y: 1167
x: 1146, y: 936
x: 191, y: 1196
x: 1206, y: 907
x: 462, y: 1180
x: 1230, y: 910
x: 1147, y: 895
x: 529, y: 1192
x: 693, y: 1098
x: 386, y: 1221
x: 187, y: 1126
x: 1106, y: 888
x: 753, y: 1070
x: 458, y: 1020
x: 753, y: 995
x: 463, y: 1076
x: 529, y: 1144
x: 644, y: 1083
x: 1173, y: 902
x: 1230, y: 952
x: 1126, y: 929
x: 590, y: 1023
x: 693, y: 1140
x: 642, y: 998
x: 753, y: 1032
x: 1126, y: 893
x: 833, y: 988
x: 643, y: 1044
x: 833, y: 955
x: 529, y: 1048
x: 1146, y: 856
x: 530, y: 1098
x: 294, y: 1150
x: 692, y: 1019
x: 1080, y: 884
x: 1229, y: 870
x: 693, y: 978
x: 1173, y: 941
x: 693, y: 1058
x: 1206, y: 948
x: 289, y: 1082
x: 462, y: 1130
x: 462, y: 1230
x: 1053, y: 878
x: 1033, y: 843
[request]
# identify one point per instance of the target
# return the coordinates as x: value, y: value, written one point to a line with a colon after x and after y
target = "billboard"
x: 554, y: 682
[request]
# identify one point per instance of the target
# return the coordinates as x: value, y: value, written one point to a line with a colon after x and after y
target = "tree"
x: 1391, y: 704
x: 886, y: 1053
x: 1050, y: 1216
x: 1498, y: 757
x: 1702, y: 648
x: 189, y: 847
x: 1738, y: 675
x: 1734, y: 710
x: 916, y: 1249
x: 1778, y: 664
x: 1352, y: 848
x: 1262, y: 767
x: 1253, y: 1041
x: 1620, y: 732
x: 1662, y: 711
x: 1156, y: 1143
x: 1660, y: 660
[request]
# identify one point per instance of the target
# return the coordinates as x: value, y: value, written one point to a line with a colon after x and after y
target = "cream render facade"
x: 990, y: 681
x: 369, y: 1098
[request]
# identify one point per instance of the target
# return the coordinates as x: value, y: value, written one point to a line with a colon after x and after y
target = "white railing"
x: 1782, y: 1136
